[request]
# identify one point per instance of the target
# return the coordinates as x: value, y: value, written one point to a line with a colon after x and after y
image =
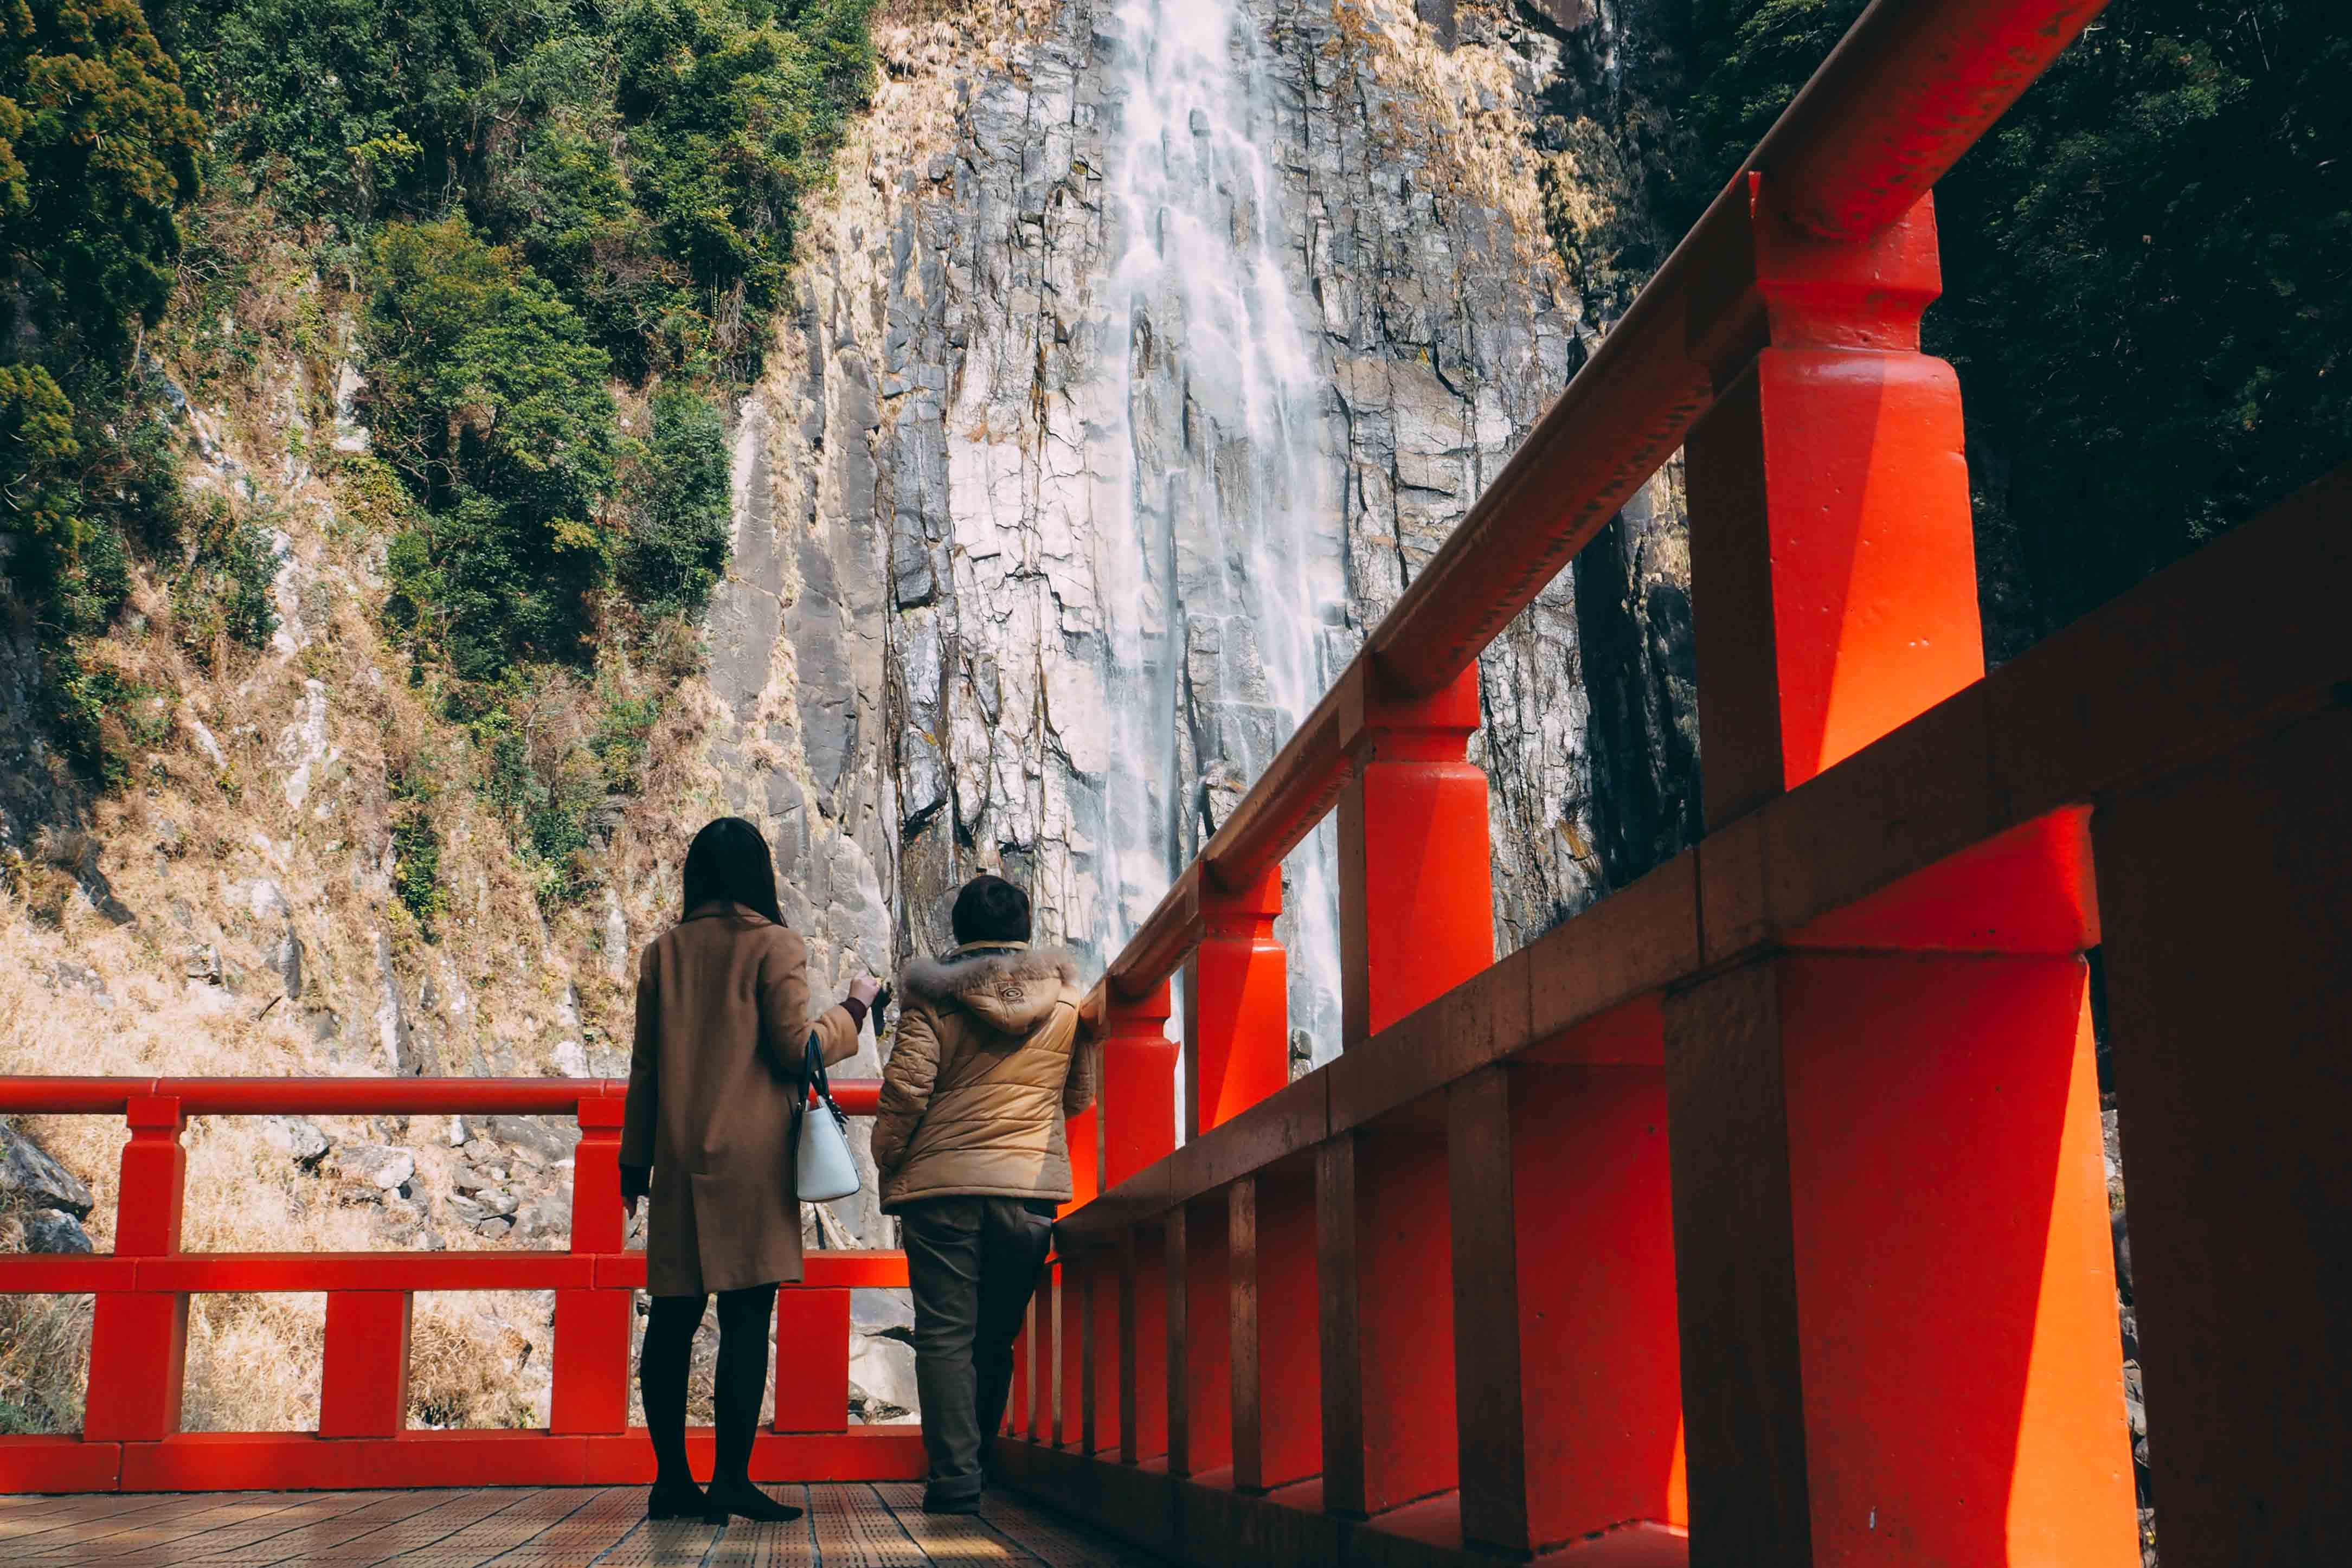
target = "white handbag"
x: 823, y: 1169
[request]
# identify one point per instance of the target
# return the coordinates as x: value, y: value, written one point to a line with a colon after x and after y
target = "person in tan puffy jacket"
x: 972, y: 1143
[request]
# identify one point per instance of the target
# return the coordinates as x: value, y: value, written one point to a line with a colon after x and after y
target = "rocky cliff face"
x: 1146, y: 352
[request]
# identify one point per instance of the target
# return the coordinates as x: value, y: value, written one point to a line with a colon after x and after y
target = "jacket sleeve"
x: 784, y: 1021
x: 642, y: 1108
x: 906, y: 1080
x: 1085, y: 1078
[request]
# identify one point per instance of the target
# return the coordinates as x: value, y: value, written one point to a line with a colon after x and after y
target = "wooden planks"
x: 846, y: 1526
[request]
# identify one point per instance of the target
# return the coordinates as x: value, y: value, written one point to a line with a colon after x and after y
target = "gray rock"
x: 31, y: 1179
x: 300, y: 1140
x: 882, y: 1379
x: 548, y: 1139
x: 55, y: 1230
x: 376, y: 1165
x: 882, y: 1312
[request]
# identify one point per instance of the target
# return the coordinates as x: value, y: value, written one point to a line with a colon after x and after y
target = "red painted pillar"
x: 590, y: 1380
x: 138, y: 1339
x: 1567, y: 1364
x: 1105, y: 1401
x: 1274, y: 1339
x: 812, y: 1360
x: 1070, y: 1327
x: 1142, y: 1346
x: 363, y: 1385
x: 1384, y: 1251
x: 1139, y: 1085
x: 1416, y: 918
x: 1200, y: 1326
x: 1898, y: 1333
x: 1045, y: 1364
x: 2229, y: 1013
x: 1417, y: 878
x: 1236, y: 1005
x: 1016, y: 1397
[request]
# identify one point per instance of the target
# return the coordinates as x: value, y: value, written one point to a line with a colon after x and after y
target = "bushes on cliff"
x: 646, y: 159
x: 97, y: 149
x: 491, y: 400
x: 679, y: 505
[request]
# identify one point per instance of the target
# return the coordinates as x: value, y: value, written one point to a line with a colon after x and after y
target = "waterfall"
x: 1221, y: 466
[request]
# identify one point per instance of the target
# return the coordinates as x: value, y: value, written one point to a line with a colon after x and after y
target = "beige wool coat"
x: 988, y: 1068
x: 723, y: 1024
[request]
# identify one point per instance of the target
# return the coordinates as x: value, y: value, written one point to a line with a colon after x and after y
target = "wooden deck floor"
x: 846, y: 1527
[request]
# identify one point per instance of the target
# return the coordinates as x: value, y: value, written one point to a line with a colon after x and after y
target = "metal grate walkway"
x: 567, y: 1527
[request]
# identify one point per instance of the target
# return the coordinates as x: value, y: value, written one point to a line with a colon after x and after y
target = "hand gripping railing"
x: 1757, y: 1214
x: 132, y: 1440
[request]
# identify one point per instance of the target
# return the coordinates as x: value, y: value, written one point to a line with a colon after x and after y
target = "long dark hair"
x: 729, y: 863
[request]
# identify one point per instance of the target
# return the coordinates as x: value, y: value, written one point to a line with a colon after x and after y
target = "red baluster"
x: 591, y: 1372
x: 1236, y: 1004
x: 138, y: 1339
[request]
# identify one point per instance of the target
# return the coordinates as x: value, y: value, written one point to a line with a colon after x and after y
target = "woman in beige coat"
x: 722, y: 1027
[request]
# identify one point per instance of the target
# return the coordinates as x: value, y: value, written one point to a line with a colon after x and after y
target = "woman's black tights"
x: 743, y: 1320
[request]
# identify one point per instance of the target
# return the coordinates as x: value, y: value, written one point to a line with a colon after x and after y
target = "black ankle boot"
x: 676, y: 1501
x: 743, y: 1500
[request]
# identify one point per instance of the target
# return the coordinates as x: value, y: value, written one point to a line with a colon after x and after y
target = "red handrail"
x: 132, y: 1438
x: 38, y: 1095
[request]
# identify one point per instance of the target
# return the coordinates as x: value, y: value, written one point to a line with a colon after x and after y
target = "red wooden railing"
x: 1758, y: 1214
x: 132, y: 1440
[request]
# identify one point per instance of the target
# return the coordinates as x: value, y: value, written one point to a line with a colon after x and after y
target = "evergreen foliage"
x: 680, y: 505
x: 2147, y: 291
x: 491, y: 402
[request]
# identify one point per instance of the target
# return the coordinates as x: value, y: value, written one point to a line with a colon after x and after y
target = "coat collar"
x: 723, y: 908
x: 972, y: 949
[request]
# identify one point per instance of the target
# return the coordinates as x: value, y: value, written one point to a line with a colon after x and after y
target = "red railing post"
x: 1042, y: 1362
x: 1138, y: 1084
x: 1416, y: 918
x: 1236, y: 1004
x: 1273, y: 1337
x: 363, y: 1385
x: 2229, y: 1015
x: 812, y: 1370
x: 1416, y: 874
x: 1100, y: 1276
x: 1565, y: 1361
x: 1897, y: 1302
x: 1200, y: 1329
x: 590, y: 1378
x: 138, y: 1339
x: 1143, y: 1366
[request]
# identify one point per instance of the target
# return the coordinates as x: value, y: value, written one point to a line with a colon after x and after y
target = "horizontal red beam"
x: 28, y: 1096
x: 207, y: 1273
x: 280, y: 1461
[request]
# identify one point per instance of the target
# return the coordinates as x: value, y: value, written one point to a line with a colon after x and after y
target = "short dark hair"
x: 729, y: 863
x: 990, y: 908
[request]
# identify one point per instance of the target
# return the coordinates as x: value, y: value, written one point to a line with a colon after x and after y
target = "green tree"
x: 733, y: 112
x: 357, y: 107
x: 680, y: 508
x: 98, y: 150
x: 491, y: 400
x: 2145, y: 289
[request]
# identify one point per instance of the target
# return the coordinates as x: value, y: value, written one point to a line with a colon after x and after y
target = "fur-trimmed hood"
x: 1009, y: 987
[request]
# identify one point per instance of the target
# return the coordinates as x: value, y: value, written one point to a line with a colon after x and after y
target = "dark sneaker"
x: 935, y: 1503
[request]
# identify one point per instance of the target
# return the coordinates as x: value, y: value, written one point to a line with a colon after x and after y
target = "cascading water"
x: 1221, y: 462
